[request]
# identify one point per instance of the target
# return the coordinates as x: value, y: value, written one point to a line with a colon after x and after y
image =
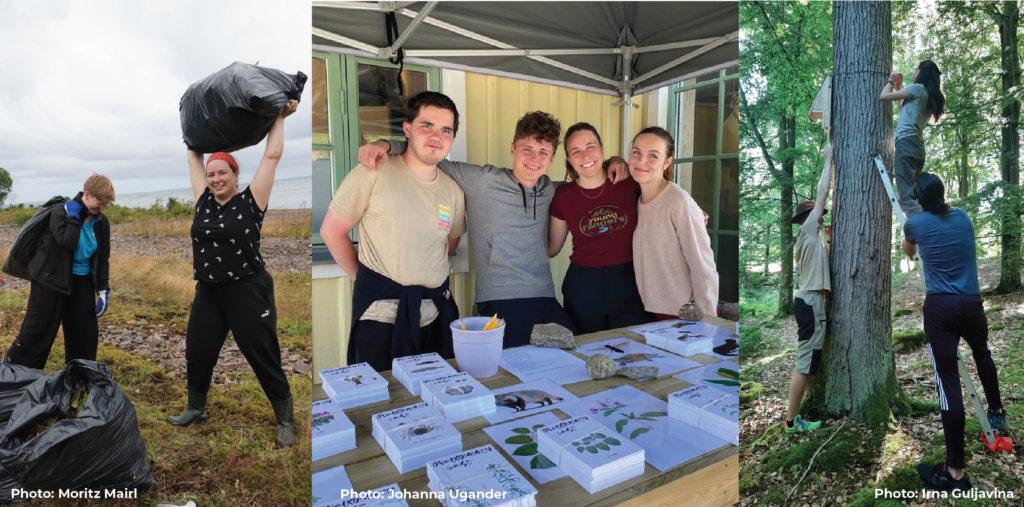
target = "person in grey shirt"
x: 919, y: 102
x: 507, y: 211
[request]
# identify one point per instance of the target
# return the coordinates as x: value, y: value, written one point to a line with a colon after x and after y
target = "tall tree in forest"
x: 1008, y: 20
x: 857, y: 376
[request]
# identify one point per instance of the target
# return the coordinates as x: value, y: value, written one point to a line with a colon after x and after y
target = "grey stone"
x: 600, y: 366
x: 552, y: 335
x: 639, y: 372
x: 691, y: 311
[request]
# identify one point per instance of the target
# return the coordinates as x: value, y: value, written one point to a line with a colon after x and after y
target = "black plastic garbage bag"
x: 235, y: 107
x: 27, y: 242
x: 13, y: 380
x: 100, y: 449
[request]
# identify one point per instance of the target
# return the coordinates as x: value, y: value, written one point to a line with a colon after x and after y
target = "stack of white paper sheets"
x: 411, y: 436
x: 479, y: 477
x: 333, y: 432
x: 412, y: 370
x: 458, y: 396
x: 593, y: 455
x: 355, y: 385
x: 708, y: 409
x: 679, y: 337
x: 328, y: 486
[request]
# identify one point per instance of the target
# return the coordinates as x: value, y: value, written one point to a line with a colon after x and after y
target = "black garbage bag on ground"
x: 235, y: 107
x: 13, y: 380
x: 27, y: 242
x: 99, y: 449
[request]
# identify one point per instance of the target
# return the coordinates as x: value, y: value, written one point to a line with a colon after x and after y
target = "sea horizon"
x: 289, y: 193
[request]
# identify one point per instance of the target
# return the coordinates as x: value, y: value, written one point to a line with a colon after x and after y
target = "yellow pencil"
x: 490, y: 324
x: 463, y: 324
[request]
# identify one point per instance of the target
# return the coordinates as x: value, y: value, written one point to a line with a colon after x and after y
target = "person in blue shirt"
x: 952, y: 310
x: 70, y: 280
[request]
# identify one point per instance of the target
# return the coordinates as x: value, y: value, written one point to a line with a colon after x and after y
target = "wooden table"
x: 708, y: 480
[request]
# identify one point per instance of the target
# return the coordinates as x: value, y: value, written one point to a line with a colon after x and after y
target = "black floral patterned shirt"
x: 226, y: 239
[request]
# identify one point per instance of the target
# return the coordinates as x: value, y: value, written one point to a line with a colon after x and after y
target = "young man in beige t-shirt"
x: 811, y: 251
x: 410, y: 218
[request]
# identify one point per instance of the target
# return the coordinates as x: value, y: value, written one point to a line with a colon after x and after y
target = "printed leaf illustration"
x: 727, y: 373
x: 535, y: 426
x: 591, y: 449
x: 541, y: 462
x: 523, y: 431
x: 612, y: 441
x: 730, y: 383
x: 518, y: 439
x: 654, y: 414
x: 579, y: 450
x: 526, y: 450
x: 620, y: 424
x: 637, y: 432
x: 603, y: 446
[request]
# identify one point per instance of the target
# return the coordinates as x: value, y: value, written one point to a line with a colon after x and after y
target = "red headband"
x: 220, y: 155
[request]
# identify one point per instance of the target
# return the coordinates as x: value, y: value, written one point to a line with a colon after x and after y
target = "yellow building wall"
x: 494, y: 105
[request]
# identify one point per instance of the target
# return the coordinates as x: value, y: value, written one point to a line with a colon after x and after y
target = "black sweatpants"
x: 947, y: 318
x: 47, y: 311
x: 245, y: 307
x: 522, y: 314
x: 373, y: 343
x: 599, y: 299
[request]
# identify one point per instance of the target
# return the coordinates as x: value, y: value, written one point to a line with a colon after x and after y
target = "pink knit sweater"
x: 672, y: 254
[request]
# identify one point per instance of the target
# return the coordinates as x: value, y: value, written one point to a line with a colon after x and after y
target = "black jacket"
x: 52, y: 263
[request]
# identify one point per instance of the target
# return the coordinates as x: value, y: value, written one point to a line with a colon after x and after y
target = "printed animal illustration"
x: 459, y: 390
x: 411, y: 432
x: 520, y: 399
x: 678, y: 325
x: 729, y: 348
x: 614, y: 347
x: 636, y: 358
x: 426, y: 362
x: 428, y: 368
x: 353, y: 378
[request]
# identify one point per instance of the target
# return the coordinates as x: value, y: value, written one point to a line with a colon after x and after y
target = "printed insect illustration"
x: 429, y: 368
x: 411, y: 432
x: 636, y: 358
x: 520, y: 399
x: 678, y: 325
x: 614, y: 347
x: 353, y: 378
x: 690, y: 336
x: 459, y: 390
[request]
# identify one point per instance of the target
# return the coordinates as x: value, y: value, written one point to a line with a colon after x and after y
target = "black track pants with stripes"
x: 246, y: 308
x: 947, y: 318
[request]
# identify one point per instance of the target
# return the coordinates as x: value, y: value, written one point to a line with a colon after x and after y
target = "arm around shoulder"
x: 688, y: 220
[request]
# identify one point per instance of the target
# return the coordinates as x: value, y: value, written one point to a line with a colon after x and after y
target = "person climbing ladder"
x: 922, y: 100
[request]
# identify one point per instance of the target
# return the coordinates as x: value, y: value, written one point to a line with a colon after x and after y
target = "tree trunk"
x: 767, y: 250
x: 1009, y: 157
x: 857, y: 376
x: 785, y: 215
x: 965, y: 173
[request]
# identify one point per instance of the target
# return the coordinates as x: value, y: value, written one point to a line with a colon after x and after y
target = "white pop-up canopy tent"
x: 615, y: 48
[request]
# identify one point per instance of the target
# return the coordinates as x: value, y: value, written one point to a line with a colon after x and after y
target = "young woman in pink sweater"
x: 672, y: 252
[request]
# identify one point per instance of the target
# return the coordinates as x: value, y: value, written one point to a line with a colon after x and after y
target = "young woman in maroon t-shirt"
x: 599, y: 289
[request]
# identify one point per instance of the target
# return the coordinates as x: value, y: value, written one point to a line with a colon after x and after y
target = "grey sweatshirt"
x: 508, y: 229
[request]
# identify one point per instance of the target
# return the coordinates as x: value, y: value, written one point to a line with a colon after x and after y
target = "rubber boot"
x: 285, y: 422
x: 195, y: 411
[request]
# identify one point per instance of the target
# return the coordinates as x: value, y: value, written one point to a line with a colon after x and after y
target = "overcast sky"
x: 94, y: 86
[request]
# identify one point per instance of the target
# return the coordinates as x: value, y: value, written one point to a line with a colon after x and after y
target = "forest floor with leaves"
x: 850, y: 462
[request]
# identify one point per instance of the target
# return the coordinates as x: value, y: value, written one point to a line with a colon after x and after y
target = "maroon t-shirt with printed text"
x: 601, y: 221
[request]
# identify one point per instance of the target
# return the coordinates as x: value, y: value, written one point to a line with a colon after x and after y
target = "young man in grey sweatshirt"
x: 507, y: 211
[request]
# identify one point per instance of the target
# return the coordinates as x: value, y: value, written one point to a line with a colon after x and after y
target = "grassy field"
x: 174, y: 218
x: 231, y: 459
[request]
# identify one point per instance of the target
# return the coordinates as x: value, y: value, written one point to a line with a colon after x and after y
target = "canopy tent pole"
x: 689, y: 56
x: 341, y: 39
x: 391, y: 51
x: 626, y: 88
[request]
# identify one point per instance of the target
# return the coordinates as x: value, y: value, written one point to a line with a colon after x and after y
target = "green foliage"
x: 996, y: 327
x: 6, y: 184
x: 900, y: 313
x: 750, y: 391
x: 751, y: 345
x: 906, y: 340
x: 993, y: 309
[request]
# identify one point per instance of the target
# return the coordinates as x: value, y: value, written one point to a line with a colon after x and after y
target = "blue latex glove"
x: 102, y: 302
x: 73, y: 208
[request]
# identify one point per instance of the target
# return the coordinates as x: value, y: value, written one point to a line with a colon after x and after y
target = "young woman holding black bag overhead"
x: 234, y: 292
x: 70, y: 280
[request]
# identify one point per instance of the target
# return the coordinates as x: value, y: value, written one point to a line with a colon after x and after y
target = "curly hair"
x: 540, y: 126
